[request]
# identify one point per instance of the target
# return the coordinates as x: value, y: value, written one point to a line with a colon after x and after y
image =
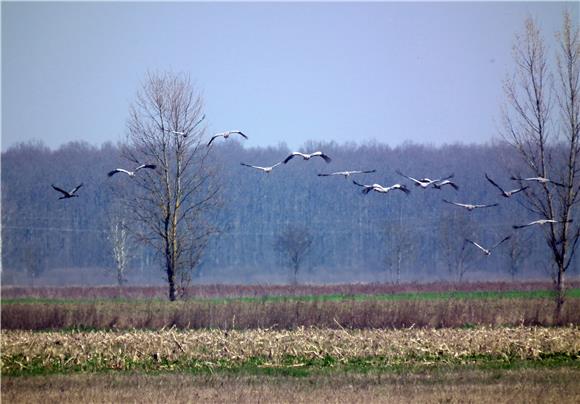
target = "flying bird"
x: 485, y: 250
x: 267, y: 170
x: 505, y: 194
x: 440, y: 184
x: 469, y: 206
x: 67, y: 194
x: 424, y: 182
x: 184, y: 133
x: 131, y: 173
x: 540, y: 222
x: 383, y: 190
x: 347, y: 174
x: 307, y: 156
x: 226, y: 135
x: 541, y: 180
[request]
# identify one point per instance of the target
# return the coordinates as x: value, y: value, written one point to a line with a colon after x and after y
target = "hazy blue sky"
x: 282, y: 72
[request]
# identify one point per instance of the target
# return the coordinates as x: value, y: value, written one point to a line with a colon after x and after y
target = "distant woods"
x: 354, y: 237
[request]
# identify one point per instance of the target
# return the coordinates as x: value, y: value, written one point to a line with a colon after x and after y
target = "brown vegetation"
x: 285, y: 314
x: 224, y: 290
x: 525, y: 385
x: 216, y: 349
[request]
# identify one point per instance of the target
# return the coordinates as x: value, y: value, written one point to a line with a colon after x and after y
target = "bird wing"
x: 151, y: 166
x: 249, y: 165
x: 240, y: 133
x: 118, y: 170
x: 326, y: 175
x: 497, y: 244
x: 291, y: 156
x: 486, y: 206
x: 325, y: 157
x: 515, y: 191
x: 400, y: 187
x: 76, y: 188
x: 365, y: 172
x: 558, y: 184
x: 493, y: 183
x: 406, y: 176
x: 60, y: 190
x: 277, y: 164
x: 359, y: 184
x: 475, y: 244
x: 455, y: 203
x: 213, y: 138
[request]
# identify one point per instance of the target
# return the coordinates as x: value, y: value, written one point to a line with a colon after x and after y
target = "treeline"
x: 355, y: 237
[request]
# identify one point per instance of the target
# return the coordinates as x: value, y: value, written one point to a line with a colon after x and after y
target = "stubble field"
x: 409, y: 345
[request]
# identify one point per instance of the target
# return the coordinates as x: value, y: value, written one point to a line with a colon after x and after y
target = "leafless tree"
x: 169, y: 205
x: 454, y: 229
x: 33, y: 261
x: 400, y: 246
x: 541, y: 120
x: 294, y: 242
x: 118, y: 237
x: 516, y: 252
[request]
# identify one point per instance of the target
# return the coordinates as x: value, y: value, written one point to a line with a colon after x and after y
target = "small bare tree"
x: 118, y: 237
x: 541, y: 120
x: 169, y: 205
x: 400, y: 246
x: 454, y: 229
x: 294, y: 242
x: 516, y: 254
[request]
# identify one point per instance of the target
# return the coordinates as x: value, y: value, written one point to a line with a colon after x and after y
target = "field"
x: 488, y: 343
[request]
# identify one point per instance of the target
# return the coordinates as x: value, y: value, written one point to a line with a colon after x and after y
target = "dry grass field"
x: 559, y: 385
x: 471, y: 345
x: 295, y: 351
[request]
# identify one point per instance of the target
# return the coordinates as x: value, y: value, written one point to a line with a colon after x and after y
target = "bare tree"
x: 294, y: 242
x: 517, y: 250
x: 33, y: 261
x: 541, y: 120
x: 118, y: 237
x: 454, y: 229
x: 169, y: 205
x: 400, y: 246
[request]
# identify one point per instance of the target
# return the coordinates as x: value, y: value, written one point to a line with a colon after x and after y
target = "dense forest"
x: 353, y: 237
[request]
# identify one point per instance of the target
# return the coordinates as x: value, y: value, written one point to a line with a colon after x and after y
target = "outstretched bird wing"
x: 291, y: 156
x: 497, y: 244
x: 477, y: 245
x: 118, y: 170
x: 151, y: 166
x: 213, y: 138
x: 60, y: 190
x: 76, y: 189
x: 406, y: 176
x: 493, y: 183
x: 320, y: 154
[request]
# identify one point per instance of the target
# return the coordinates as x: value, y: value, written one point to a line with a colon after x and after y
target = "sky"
x: 282, y: 72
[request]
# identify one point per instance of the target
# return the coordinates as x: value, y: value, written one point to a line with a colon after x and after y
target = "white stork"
x: 541, y: 180
x: 485, y: 250
x: 226, y: 135
x: 505, y: 194
x: 347, y: 174
x: 540, y: 222
x: 131, y: 173
x: 307, y: 156
x: 67, y: 194
x: 266, y: 170
x: 381, y: 189
x: 470, y: 206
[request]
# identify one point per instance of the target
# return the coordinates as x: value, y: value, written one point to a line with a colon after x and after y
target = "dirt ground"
x: 552, y: 385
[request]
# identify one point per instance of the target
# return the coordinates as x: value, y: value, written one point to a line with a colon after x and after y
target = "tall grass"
x: 227, y: 291
x: 285, y: 314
